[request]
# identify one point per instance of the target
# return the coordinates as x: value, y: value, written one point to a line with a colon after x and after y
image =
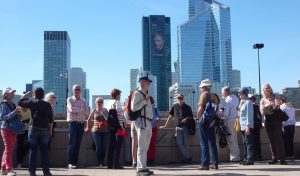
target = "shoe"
x: 11, y: 173
x: 202, y: 168
x: 71, y: 166
x: 190, y: 160
x: 242, y: 162
x: 248, y: 163
x: 150, y: 172
x: 273, y: 162
x: 3, y: 173
x: 283, y: 162
x: 127, y: 163
x: 143, y: 173
x: 134, y: 165
x: 118, y: 167
x: 19, y: 166
x: 215, y: 167
x: 47, y: 174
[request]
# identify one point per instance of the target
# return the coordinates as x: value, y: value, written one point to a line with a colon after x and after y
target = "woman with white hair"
x: 50, y: 98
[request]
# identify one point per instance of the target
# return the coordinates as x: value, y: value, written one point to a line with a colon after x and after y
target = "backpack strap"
x: 12, y: 108
x: 208, y: 98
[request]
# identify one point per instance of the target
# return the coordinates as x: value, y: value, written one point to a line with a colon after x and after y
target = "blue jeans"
x: 100, y: 140
x: 76, y: 130
x: 248, y: 146
x: 182, y: 135
x: 38, y: 137
x: 208, y: 145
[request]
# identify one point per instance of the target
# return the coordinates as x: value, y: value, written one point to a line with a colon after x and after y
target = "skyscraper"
x: 57, y: 46
x: 157, y: 54
x: 236, y: 79
x: 133, y: 78
x: 204, y: 44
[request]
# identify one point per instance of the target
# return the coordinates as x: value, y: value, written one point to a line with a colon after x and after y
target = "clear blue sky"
x: 106, y: 38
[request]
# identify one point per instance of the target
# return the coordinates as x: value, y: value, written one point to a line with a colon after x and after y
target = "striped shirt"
x: 77, y: 110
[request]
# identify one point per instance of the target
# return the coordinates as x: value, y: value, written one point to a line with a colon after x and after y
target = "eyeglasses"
x: 77, y: 89
x: 180, y: 98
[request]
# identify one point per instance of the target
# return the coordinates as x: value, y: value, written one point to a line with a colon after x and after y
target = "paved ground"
x: 226, y: 169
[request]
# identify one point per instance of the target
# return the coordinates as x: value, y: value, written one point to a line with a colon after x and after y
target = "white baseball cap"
x: 8, y: 90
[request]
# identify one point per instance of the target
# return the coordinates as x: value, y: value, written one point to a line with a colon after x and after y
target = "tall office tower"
x: 236, y: 79
x: 57, y: 46
x: 204, y: 44
x: 133, y: 78
x: 157, y: 55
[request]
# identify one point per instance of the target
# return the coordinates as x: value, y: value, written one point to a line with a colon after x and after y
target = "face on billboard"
x: 159, y: 42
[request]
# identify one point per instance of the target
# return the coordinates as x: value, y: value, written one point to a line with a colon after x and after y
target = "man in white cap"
x: 206, y: 132
x: 230, y: 113
x: 143, y: 126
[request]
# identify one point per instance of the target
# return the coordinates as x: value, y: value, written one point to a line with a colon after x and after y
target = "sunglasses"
x: 77, y: 89
x: 180, y: 98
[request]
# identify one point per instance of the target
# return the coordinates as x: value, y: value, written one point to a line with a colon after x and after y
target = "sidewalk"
x: 226, y: 169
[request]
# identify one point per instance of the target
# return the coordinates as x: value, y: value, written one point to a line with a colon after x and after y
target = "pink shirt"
x: 77, y: 110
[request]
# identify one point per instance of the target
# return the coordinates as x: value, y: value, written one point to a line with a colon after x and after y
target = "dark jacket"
x: 113, y: 121
x: 257, y: 116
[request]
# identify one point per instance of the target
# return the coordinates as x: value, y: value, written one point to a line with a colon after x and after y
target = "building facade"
x: 57, y: 58
x: 236, y: 79
x: 204, y: 44
x: 157, y: 54
x: 133, y: 78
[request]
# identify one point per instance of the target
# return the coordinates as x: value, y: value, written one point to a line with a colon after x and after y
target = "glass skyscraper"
x: 157, y: 55
x: 57, y: 46
x: 204, y: 44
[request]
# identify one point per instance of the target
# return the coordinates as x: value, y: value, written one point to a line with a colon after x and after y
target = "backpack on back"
x: 210, y: 111
x: 129, y: 114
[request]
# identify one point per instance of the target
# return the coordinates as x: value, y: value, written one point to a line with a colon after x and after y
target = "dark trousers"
x: 22, y: 146
x: 38, y: 138
x: 76, y: 130
x: 256, y: 143
x: 248, y: 146
x: 274, y: 132
x: 100, y: 140
x: 114, y: 150
x: 288, y: 138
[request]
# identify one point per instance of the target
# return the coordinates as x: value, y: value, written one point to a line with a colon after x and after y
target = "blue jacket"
x: 6, y: 114
x: 246, y: 114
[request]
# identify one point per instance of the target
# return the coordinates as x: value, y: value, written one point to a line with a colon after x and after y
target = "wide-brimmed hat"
x: 8, y: 90
x: 144, y: 76
x: 205, y: 83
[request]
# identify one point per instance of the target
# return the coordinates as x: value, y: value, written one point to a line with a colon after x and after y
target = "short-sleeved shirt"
x: 100, y: 121
x: 203, y: 99
x: 179, y: 113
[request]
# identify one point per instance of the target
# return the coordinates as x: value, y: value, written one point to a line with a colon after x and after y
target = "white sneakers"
x: 71, y: 166
x: 10, y: 173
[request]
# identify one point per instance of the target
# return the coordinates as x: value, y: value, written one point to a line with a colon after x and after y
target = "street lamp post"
x: 258, y: 46
x: 193, y: 100
x: 65, y: 76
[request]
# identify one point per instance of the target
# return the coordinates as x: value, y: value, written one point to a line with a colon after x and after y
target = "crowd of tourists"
x: 134, y: 126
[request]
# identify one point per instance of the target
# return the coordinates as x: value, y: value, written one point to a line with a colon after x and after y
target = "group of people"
x: 136, y: 125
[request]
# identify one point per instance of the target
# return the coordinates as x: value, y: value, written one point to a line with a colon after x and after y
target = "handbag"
x: 122, y: 133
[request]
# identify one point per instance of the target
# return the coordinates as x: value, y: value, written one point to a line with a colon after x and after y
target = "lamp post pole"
x: 258, y: 46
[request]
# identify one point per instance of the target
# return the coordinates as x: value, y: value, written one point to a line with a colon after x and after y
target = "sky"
x: 106, y: 39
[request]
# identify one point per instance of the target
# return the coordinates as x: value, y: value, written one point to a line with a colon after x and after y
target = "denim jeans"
x: 38, y: 138
x: 127, y: 147
x: 101, y: 140
x: 76, y: 130
x: 182, y: 135
x: 248, y: 146
x: 208, y: 145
